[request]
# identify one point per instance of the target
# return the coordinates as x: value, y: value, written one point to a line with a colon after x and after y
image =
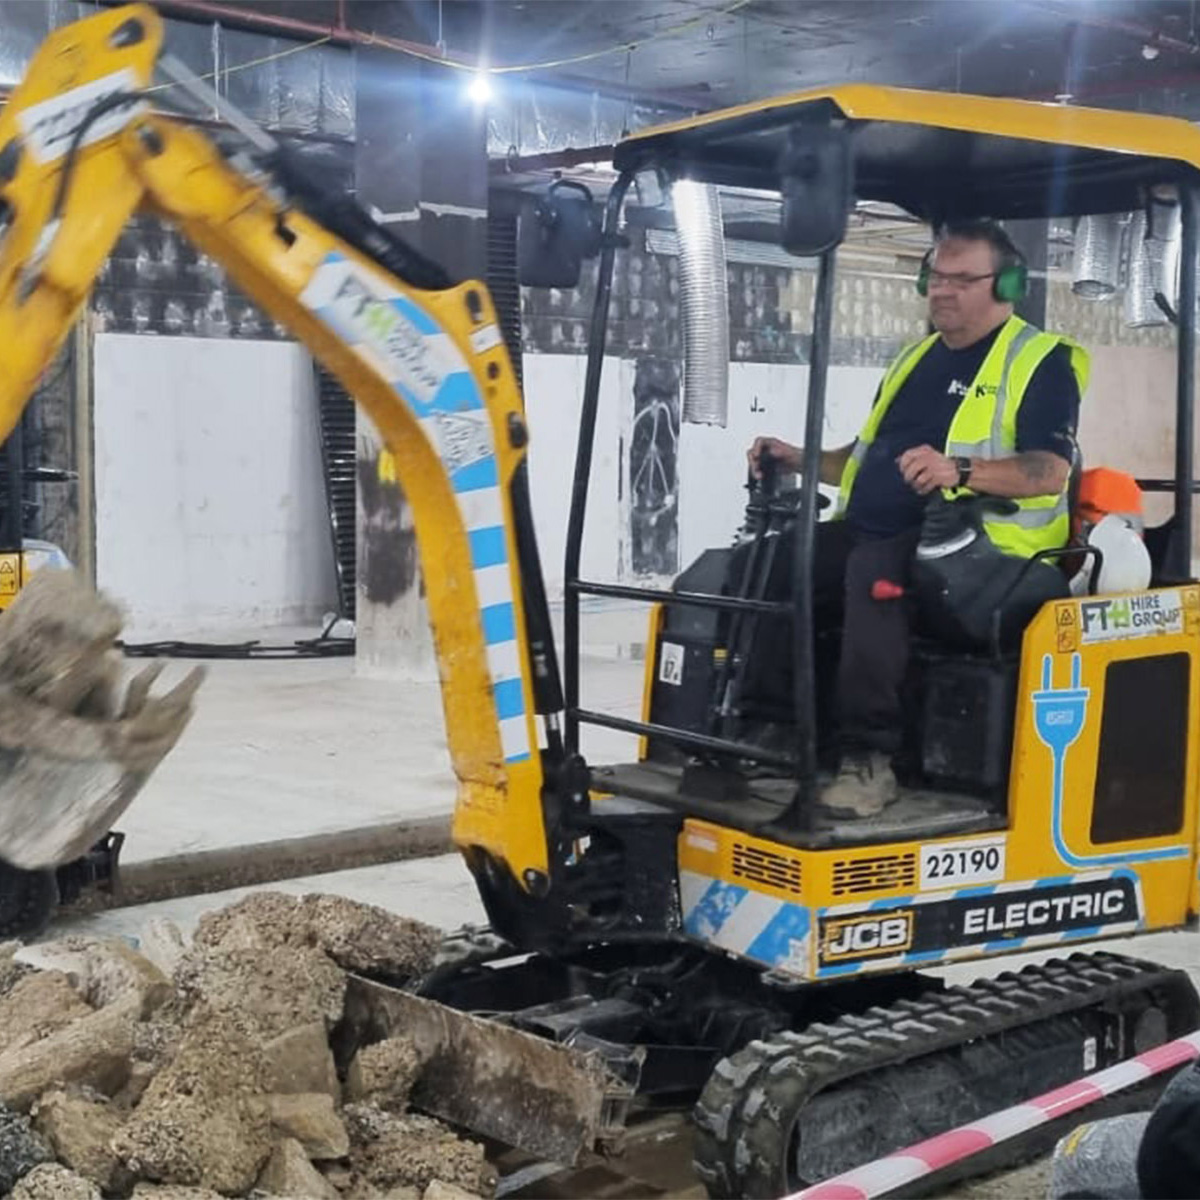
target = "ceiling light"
x: 480, y: 88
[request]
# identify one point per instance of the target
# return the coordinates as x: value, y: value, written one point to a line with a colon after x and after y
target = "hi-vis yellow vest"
x: 985, y: 426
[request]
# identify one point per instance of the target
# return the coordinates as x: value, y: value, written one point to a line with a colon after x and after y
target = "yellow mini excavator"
x: 686, y: 931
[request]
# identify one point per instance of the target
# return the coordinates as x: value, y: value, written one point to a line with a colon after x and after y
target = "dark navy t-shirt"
x: 881, y: 503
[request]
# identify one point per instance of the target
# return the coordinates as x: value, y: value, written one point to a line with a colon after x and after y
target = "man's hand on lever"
x: 783, y: 454
x: 791, y: 458
x: 925, y: 470
x: 1031, y: 473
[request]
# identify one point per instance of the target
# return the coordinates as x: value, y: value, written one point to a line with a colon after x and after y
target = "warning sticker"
x: 8, y: 575
x: 1066, y: 620
x: 463, y: 438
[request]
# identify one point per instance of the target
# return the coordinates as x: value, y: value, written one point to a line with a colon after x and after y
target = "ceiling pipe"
x: 1142, y: 33
x: 342, y: 34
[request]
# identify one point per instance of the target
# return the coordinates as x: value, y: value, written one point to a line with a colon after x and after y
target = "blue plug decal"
x: 1059, y: 716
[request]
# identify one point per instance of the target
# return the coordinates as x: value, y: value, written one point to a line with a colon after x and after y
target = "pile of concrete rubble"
x: 187, y: 1072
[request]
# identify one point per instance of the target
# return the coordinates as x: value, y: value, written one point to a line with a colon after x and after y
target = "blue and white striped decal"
x: 743, y: 921
x: 1001, y: 946
x: 779, y: 934
x: 405, y: 344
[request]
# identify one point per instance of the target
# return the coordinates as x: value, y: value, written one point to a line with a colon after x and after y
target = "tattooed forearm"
x: 1039, y: 466
x: 1030, y: 473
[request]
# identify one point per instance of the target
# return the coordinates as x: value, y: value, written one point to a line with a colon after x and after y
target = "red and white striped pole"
x: 895, y: 1170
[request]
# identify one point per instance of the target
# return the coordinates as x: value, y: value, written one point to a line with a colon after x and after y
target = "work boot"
x: 865, y: 785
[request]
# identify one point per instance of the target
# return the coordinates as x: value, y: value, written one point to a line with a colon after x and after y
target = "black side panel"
x: 1143, y: 749
x: 967, y: 707
x: 681, y: 691
x: 335, y: 412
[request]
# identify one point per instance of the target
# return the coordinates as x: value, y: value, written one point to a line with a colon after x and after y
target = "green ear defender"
x: 1010, y: 283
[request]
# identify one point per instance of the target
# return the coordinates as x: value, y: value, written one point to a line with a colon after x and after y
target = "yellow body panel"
x: 1042, y: 880
x: 1066, y: 125
x: 655, y: 626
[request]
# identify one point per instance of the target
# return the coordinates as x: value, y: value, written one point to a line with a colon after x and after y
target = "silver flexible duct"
x: 1097, y: 262
x: 704, y: 300
x: 1153, y: 265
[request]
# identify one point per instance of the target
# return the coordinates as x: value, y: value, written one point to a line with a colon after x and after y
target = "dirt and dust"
x: 1024, y: 1183
x: 77, y: 751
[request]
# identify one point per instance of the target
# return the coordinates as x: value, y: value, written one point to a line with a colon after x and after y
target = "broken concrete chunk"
x: 202, y: 1121
x: 309, y: 1118
x: 37, y: 1005
x: 162, y: 942
x: 384, y: 1073
x: 94, y: 1050
x: 358, y: 937
x: 103, y: 970
x: 52, y: 1182
x: 361, y: 937
x: 289, y: 1173
x: 390, y: 1151
x: 261, y: 919
x: 279, y: 988
x: 20, y: 1149
x: 300, y: 1060
x: 79, y: 1128
x: 438, y: 1190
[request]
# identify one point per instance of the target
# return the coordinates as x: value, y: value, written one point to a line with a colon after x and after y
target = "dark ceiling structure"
x: 1137, y: 54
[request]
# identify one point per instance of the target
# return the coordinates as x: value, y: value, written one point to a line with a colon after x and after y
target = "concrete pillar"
x: 421, y: 164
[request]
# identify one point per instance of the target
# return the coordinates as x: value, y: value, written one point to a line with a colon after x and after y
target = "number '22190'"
x: 951, y: 864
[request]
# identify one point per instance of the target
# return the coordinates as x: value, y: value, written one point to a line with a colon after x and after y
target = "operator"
x: 987, y: 403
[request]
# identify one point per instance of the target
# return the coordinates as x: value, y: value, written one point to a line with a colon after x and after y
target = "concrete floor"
x: 282, y: 749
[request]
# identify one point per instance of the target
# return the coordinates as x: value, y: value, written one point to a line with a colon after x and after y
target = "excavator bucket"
x: 552, y: 1101
x: 74, y: 750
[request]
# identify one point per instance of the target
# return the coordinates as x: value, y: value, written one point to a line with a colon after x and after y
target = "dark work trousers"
x: 875, y: 633
x: 864, y: 699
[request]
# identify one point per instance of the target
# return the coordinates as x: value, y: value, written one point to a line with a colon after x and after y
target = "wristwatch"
x: 964, y: 471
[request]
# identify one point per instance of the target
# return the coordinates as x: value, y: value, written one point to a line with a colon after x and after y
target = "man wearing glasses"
x: 986, y: 403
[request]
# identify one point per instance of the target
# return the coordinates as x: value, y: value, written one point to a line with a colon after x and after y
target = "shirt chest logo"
x: 957, y: 388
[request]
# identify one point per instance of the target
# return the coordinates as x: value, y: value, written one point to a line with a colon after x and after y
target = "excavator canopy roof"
x: 940, y: 154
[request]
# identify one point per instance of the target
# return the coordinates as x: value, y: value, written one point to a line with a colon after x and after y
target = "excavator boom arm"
x: 81, y: 150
